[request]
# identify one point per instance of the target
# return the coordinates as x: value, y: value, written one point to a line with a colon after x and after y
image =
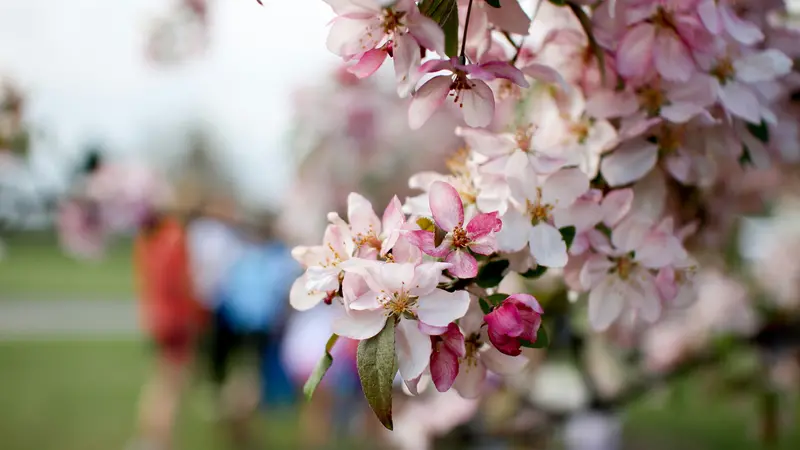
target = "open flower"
x: 516, y: 319
x: 324, y: 264
x: 620, y: 274
x: 448, y: 213
x: 505, y: 152
x: 663, y: 38
x: 406, y: 293
x: 543, y: 202
x: 372, y: 237
x: 368, y: 32
x: 466, y: 84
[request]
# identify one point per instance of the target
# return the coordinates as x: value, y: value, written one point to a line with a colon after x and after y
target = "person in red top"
x: 172, y: 317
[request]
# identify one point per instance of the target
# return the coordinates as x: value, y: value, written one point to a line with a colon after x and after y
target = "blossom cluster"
x: 584, y: 125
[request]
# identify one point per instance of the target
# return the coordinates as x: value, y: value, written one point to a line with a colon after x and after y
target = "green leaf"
x: 760, y: 131
x: 426, y: 224
x: 492, y: 274
x: 377, y: 366
x: 559, y: 2
x: 496, y: 299
x: 586, y: 24
x: 322, y: 367
x: 445, y: 13
x: 534, y: 273
x: 568, y: 233
x: 542, y: 340
x: 745, y: 159
x: 485, y: 306
x: 493, y: 3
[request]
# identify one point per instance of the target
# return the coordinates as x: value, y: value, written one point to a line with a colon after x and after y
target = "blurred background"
x: 234, y: 117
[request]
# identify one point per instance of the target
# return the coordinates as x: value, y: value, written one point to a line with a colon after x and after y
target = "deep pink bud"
x: 447, y: 349
x: 517, y: 318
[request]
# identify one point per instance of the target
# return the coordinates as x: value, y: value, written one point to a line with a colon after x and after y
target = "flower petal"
x: 301, y: 298
x: 444, y: 369
x: 505, y: 320
x: 515, y: 232
x: 439, y: 308
x: 628, y: 163
x: 368, y: 63
x: 562, y: 188
x: 743, y: 31
x: 547, y: 246
x: 427, y: 100
x: 463, y: 263
x: 359, y: 324
x: 413, y: 349
x: 477, y: 104
x: 361, y: 216
x: 446, y: 206
x: 483, y: 224
x: 635, y: 52
x: 427, y: 32
x: 606, y: 301
x: 740, y: 101
x: 470, y: 380
x: 616, y: 205
x: 672, y: 59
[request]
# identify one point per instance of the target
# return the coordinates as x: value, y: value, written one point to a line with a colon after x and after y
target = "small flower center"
x: 524, y: 138
x: 580, y: 130
x: 652, y: 98
x: 624, y: 267
x: 460, y: 238
x: 724, y: 70
x: 670, y: 139
x: 459, y: 84
x: 663, y: 19
x: 537, y: 210
x: 471, y: 344
x: 332, y: 262
x: 398, y: 303
x: 392, y: 20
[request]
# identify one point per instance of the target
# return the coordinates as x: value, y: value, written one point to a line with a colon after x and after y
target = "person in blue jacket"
x: 253, y: 299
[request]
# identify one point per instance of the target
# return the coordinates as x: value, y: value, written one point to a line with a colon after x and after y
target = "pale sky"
x: 82, y: 64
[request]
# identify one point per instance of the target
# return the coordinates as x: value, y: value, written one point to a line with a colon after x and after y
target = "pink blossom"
x: 544, y: 203
x: 505, y: 152
x: 324, y: 265
x: 406, y: 293
x: 718, y: 16
x: 620, y: 273
x: 372, y: 237
x: 736, y: 78
x: 368, y: 32
x: 448, y: 348
x: 448, y: 213
x: 466, y: 84
x: 663, y: 37
x: 515, y: 320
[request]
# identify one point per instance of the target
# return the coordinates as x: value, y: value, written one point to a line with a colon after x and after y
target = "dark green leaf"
x: 568, y: 233
x: 534, y: 273
x: 492, y: 274
x: 586, y: 24
x: 377, y: 366
x: 760, y: 131
x: 485, y: 306
x: 493, y: 3
x: 438, y: 236
x: 496, y: 299
x: 322, y: 367
x: 542, y: 341
x: 745, y: 159
x: 559, y: 2
x: 445, y: 13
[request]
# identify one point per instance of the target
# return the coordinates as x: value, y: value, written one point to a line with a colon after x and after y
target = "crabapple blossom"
x: 404, y: 292
x: 477, y: 236
x: 448, y: 348
x: 544, y: 202
x: 466, y: 84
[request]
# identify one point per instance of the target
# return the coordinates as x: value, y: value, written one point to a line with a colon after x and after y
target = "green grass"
x: 35, y: 267
x: 82, y: 396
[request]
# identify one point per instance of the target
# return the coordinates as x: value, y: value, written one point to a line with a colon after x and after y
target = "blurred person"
x: 340, y: 389
x: 249, y: 310
x: 172, y: 317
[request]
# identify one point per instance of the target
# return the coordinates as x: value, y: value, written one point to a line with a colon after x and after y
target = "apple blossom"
x: 516, y: 319
x: 477, y: 236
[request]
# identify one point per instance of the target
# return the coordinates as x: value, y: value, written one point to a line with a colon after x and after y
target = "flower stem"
x: 463, y: 58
